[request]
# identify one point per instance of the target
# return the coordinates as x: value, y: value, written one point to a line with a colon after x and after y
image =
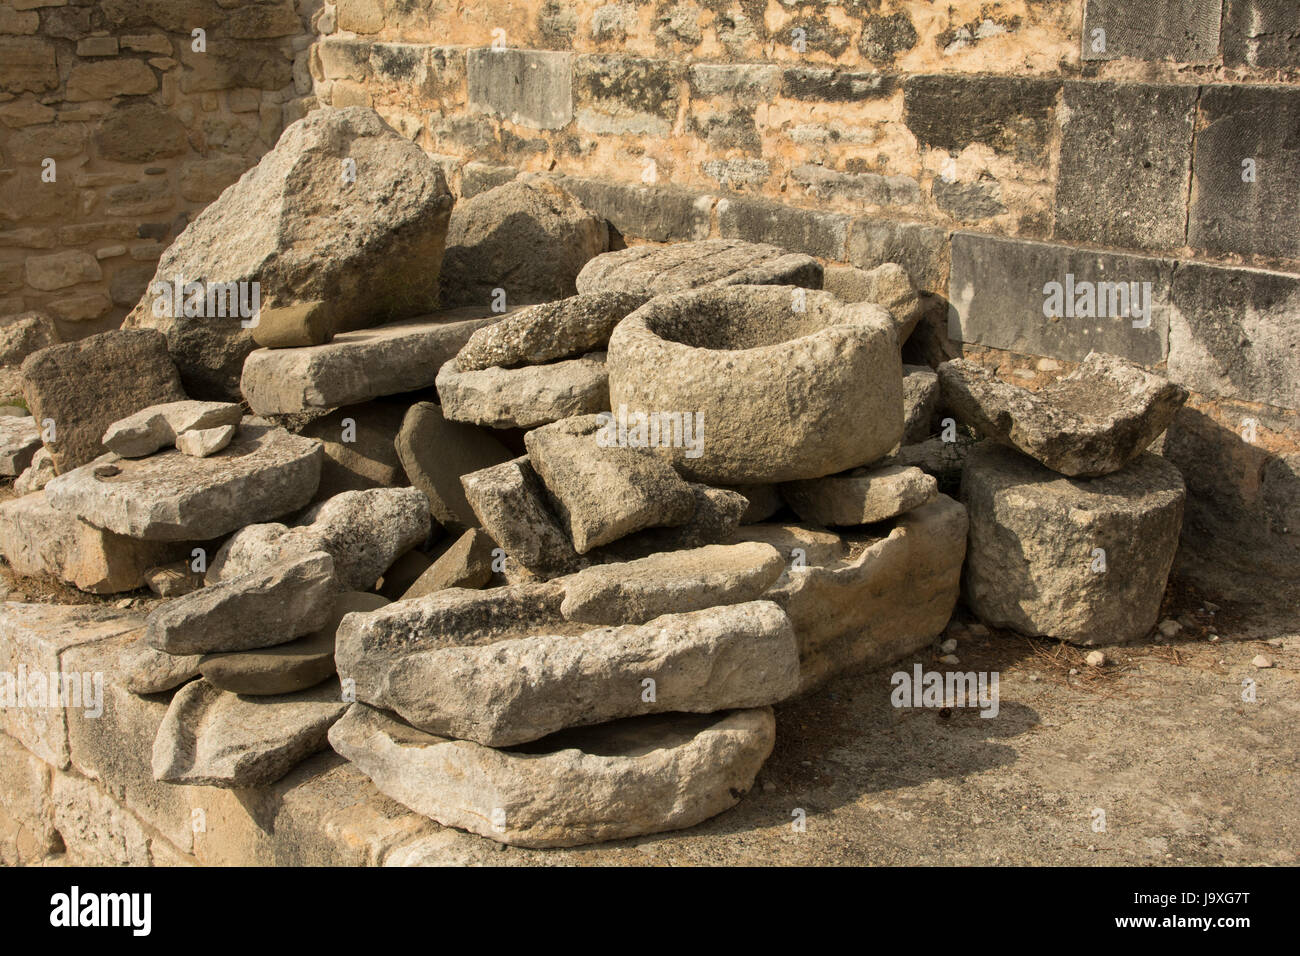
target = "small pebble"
x: 979, y: 630
x: 1211, y: 607
x: 948, y: 646
x: 1261, y: 661
x: 1214, y: 638
x: 949, y: 659
x: 1034, y: 678
x: 1095, y: 659
x: 1073, y: 671
x: 1274, y: 642
x: 125, y: 603
x: 1169, y: 627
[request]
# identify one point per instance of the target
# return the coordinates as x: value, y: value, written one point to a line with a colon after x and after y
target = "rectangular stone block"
x: 1011, y: 115
x: 657, y: 213
x: 1261, y: 33
x: 27, y: 831
x: 744, y: 82
x: 1235, y: 332
x: 627, y: 94
x: 1126, y: 150
x: 920, y: 248
x: 99, y: 831
x: 1004, y: 294
x: 478, y: 178
x: 33, y: 639
x: 1246, y: 185
x: 1186, y: 31
x: 798, y: 230
x: 342, y: 58
x: 835, y: 86
x: 530, y: 88
x: 872, y: 189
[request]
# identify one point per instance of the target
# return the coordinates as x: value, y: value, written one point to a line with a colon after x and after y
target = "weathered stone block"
x: 799, y: 230
x: 922, y: 249
x: 529, y: 88
x: 1261, y: 33
x: 623, y: 94
x: 657, y: 213
x: 825, y: 83
x: 1011, y: 115
x: 1186, y: 31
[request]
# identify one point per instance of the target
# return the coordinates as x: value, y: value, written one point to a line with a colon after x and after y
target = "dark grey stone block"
x: 1012, y: 115
x: 1186, y: 31
x: 824, y: 83
x: 657, y: 213
x: 478, y: 178
x: 1233, y: 215
x: 530, y: 88
x: 627, y: 94
x: 1235, y: 333
x: 969, y: 202
x: 798, y: 230
x: 1000, y: 297
x: 1261, y: 33
x: 920, y: 248
x: 1126, y: 151
x: 745, y: 82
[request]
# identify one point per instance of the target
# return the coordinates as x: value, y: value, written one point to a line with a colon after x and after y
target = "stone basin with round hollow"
x: 787, y: 383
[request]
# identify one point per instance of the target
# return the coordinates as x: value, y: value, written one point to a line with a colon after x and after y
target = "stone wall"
x: 991, y: 147
x: 117, y: 126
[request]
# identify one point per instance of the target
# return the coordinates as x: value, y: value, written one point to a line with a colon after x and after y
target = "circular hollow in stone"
x: 786, y: 383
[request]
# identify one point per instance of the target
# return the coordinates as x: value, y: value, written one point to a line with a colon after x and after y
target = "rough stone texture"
x: 524, y: 397
x: 920, y: 248
x: 1230, y: 211
x: 258, y: 609
x: 656, y: 213
x: 33, y: 639
x: 861, y: 496
x: 369, y: 245
x: 22, y: 335
x: 436, y: 453
x: 213, y: 738
x: 264, y: 473
x: 294, y: 326
x: 496, y: 238
x: 37, y: 539
x: 466, y: 564
x: 522, y: 689
x: 798, y: 545
x: 887, y: 284
x: 1186, y: 31
x: 363, y: 531
x: 1089, y: 423
x: 37, y: 475
x: 543, y: 333
x: 286, y: 668
x: 887, y: 601
x: 356, y: 366
x: 20, y: 438
x: 920, y: 400
x: 173, y: 579
x: 1126, y: 153
x: 203, y: 442
x: 27, y: 831
x: 510, y: 505
x: 1011, y: 115
x: 643, y: 775
x: 633, y: 592
x: 1261, y: 33
x: 85, y: 386
x: 764, y: 501
x: 1033, y: 538
x: 158, y: 426
x: 780, y: 394
x: 369, y: 459
x: 1232, y: 333
x: 800, y: 231
x: 998, y: 297
x: 530, y: 88
x: 653, y: 270
x: 146, y: 670
x: 603, y: 492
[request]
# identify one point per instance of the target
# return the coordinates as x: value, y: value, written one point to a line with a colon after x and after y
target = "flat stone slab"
x: 511, y: 506
x: 20, y: 438
x: 286, y: 668
x: 1089, y: 423
x: 212, y: 738
x: 780, y: 384
x: 717, y: 516
x: 516, y: 690
x: 466, y: 564
x: 654, y: 270
x: 158, y: 426
x: 357, y: 366
x: 202, y: 442
x: 633, y: 592
x: 259, y: 609
x: 882, y: 599
x: 524, y: 397
x: 631, y: 777
x: 436, y: 453
x: 553, y: 330
x: 147, y: 670
x: 602, y: 491
x: 263, y: 473
x: 861, y: 496
x: 38, y: 539
x: 1085, y: 561
x: 363, y: 531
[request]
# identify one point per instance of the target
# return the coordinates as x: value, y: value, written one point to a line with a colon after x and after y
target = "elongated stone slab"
x: 213, y: 738
x: 630, y: 777
x: 511, y: 506
x: 357, y: 366
x: 20, y: 437
x: 524, y: 397
x: 158, y: 426
x: 861, y: 496
x: 521, y: 689
x: 263, y: 473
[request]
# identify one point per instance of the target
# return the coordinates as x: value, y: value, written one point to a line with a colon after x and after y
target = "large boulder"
x: 1091, y: 422
x: 343, y: 210
x: 1085, y: 561
x: 782, y: 383
x: 530, y: 238
x: 654, y: 270
x: 85, y: 386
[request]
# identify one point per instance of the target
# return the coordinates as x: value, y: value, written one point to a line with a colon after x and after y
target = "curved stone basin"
x: 787, y: 383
